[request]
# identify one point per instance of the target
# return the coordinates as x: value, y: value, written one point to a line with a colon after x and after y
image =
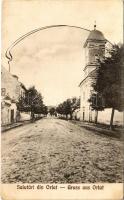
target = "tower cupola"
x: 95, y: 36
x: 94, y: 50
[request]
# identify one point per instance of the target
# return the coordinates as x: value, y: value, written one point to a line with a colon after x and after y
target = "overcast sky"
x: 52, y: 59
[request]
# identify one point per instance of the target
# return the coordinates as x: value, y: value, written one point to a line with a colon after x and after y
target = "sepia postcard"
x: 62, y: 100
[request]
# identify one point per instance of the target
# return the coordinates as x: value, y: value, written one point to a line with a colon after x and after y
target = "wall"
x: 10, y: 83
x: 85, y: 95
x: 104, y: 117
x: 24, y: 116
x: 5, y: 115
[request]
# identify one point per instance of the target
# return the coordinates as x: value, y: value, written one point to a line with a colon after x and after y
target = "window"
x: 17, y: 89
x: 96, y: 57
x: 3, y: 91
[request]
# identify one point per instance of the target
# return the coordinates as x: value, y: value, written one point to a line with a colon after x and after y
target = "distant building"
x: 94, y: 49
x: 11, y: 90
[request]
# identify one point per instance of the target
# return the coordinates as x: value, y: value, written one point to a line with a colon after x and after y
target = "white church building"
x: 94, y: 48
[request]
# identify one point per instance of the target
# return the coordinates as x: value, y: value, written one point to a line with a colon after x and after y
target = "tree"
x: 52, y: 111
x: 68, y: 107
x: 97, y: 103
x: 32, y: 101
x: 75, y: 104
x: 108, y: 82
x: 60, y: 109
x: 45, y: 110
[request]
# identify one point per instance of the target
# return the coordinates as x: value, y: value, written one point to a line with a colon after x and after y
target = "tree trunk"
x: 96, y: 116
x: 70, y: 116
x: 32, y: 116
x: 112, y: 118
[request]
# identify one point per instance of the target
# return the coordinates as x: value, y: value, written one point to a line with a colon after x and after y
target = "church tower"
x: 94, y: 50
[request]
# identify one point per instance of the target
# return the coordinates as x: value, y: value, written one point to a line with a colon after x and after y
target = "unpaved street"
x: 57, y: 151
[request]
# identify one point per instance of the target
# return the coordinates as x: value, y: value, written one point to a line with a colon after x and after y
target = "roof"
x: 15, y: 76
x: 7, y: 97
x: 23, y: 86
x: 91, y: 74
x: 95, y: 35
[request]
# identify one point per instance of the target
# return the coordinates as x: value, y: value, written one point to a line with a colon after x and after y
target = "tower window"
x: 96, y: 57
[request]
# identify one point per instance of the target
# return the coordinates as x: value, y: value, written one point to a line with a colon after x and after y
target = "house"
x: 11, y: 90
x: 95, y: 47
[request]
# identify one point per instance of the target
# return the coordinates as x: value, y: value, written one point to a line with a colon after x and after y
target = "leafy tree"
x: 97, y: 103
x: 108, y: 81
x: 68, y: 107
x: 32, y: 101
x: 45, y: 110
x: 52, y: 111
x: 60, y: 109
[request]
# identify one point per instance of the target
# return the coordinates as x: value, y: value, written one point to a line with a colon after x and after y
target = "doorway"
x: 83, y: 116
x: 12, y: 116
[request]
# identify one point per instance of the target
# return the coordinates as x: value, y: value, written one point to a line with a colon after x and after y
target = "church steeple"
x: 94, y: 50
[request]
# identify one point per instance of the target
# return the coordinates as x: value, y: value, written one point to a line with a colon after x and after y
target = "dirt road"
x: 57, y: 151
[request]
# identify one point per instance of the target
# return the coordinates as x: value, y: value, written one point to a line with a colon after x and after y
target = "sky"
x: 53, y: 59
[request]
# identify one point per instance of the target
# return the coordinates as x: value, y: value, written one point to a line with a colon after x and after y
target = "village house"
x: 95, y: 47
x: 11, y: 90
